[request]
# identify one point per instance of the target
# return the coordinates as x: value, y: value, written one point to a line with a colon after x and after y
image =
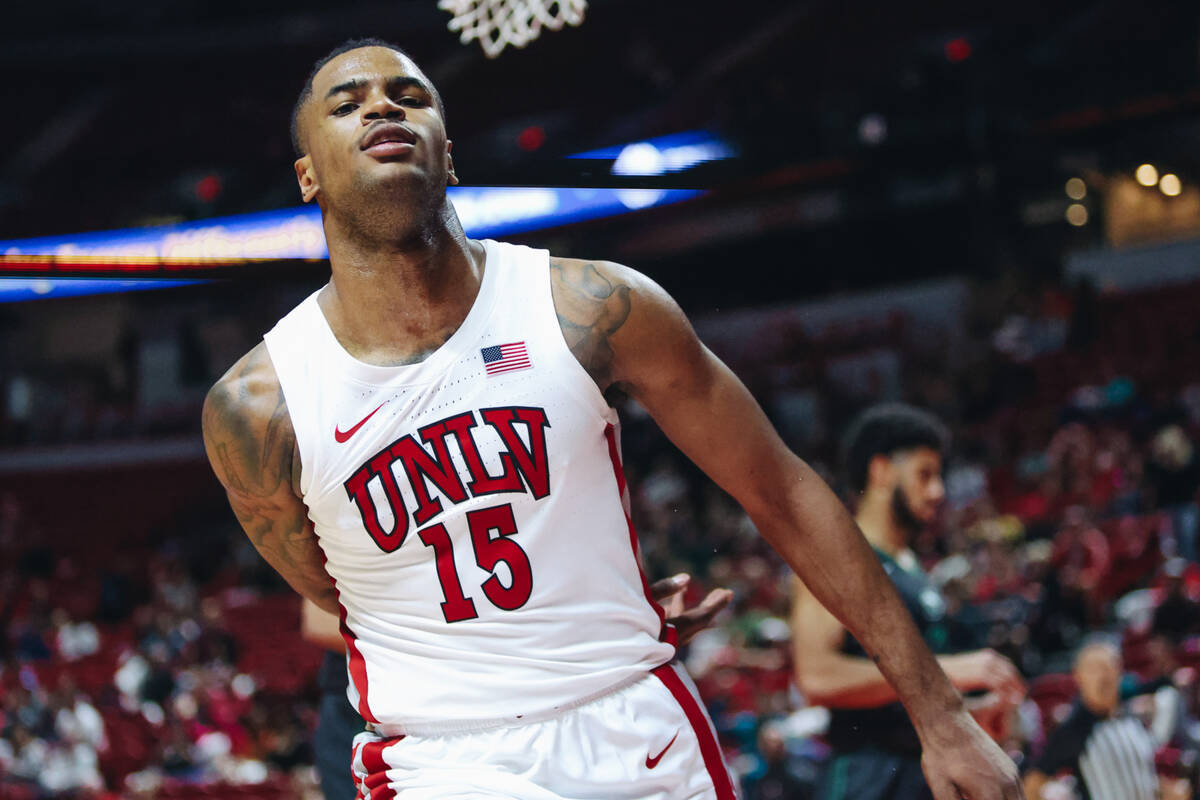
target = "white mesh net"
x: 499, y: 23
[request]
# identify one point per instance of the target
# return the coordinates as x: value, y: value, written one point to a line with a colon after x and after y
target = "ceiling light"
x: 1147, y: 175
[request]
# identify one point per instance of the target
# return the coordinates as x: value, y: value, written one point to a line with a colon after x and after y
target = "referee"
x: 1111, y: 755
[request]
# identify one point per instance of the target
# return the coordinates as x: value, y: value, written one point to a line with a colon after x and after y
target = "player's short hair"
x: 344, y: 47
x: 886, y: 430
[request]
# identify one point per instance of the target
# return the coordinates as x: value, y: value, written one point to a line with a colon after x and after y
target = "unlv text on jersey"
x: 523, y: 469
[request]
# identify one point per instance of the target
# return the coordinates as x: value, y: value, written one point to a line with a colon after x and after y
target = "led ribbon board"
x: 296, y: 233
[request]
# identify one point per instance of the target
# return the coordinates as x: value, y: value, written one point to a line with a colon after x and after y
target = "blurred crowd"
x: 154, y: 680
x: 1071, y: 509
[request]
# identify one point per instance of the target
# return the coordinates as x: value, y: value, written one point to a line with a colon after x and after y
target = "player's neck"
x: 878, y: 523
x: 396, y: 243
x: 396, y: 301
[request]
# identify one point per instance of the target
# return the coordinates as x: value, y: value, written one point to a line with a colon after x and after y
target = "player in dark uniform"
x: 892, y: 458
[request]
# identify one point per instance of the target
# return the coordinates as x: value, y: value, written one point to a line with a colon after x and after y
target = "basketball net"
x: 499, y: 23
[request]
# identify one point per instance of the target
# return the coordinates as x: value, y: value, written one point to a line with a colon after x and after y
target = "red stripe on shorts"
x: 358, y: 789
x: 709, y: 748
x: 377, y: 781
x: 666, y: 632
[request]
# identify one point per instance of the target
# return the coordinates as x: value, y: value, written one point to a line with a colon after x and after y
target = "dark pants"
x: 333, y: 741
x: 873, y: 775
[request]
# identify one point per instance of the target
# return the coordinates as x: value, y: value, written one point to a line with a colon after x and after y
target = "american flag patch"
x: 505, y: 358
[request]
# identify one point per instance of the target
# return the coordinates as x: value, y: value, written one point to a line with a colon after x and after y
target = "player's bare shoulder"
x: 613, y: 317
x: 592, y: 300
x: 247, y: 431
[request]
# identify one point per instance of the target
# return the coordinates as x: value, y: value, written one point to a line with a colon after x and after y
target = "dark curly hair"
x: 885, y: 430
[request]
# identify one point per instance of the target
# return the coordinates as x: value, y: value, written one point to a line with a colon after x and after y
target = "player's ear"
x: 451, y: 178
x: 306, y: 176
x: 879, y: 471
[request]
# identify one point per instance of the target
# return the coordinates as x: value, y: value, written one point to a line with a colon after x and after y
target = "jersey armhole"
x: 294, y: 396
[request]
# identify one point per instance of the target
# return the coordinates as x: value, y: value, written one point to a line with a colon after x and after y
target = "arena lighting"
x: 873, y: 129
x: 663, y: 154
x: 1147, y: 175
x: 208, y: 188
x: 1076, y: 189
x: 958, y: 50
x: 532, y: 138
x: 1170, y: 185
x: 17, y: 289
x: 296, y: 233
x: 1077, y: 215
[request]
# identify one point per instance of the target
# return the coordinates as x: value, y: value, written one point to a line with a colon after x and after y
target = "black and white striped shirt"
x: 1113, y: 757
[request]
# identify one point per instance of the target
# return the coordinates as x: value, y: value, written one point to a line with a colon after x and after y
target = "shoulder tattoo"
x: 591, y: 307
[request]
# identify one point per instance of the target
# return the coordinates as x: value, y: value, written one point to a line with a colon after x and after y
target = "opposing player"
x: 423, y: 447
x: 892, y: 457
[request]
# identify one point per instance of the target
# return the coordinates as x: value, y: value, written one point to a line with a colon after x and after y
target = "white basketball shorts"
x: 651, y: 740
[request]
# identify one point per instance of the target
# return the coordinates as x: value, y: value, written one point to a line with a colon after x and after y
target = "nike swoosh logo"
x: 652, y: 761
x: 344, y: 436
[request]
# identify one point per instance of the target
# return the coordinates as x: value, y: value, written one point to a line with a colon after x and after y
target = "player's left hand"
x: 961, y: 762
x: 688, y: 621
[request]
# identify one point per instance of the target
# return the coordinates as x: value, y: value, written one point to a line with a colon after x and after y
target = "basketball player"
x: 423, y: 447
x: 892, y: 457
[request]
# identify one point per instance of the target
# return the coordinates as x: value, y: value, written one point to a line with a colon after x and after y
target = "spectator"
x: 774, y: 780
x: 73, y: 640
x: 1178, y: 615
x: 1174, y: 474
x: 76, y: 719
x: 1082, y: 557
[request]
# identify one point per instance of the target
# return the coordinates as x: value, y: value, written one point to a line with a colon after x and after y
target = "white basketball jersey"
x: 472, y: 511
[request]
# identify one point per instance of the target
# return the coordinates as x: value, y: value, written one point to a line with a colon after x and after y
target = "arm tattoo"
x: 253, y: 448
x: 254, y: 462
x: 590, y: 308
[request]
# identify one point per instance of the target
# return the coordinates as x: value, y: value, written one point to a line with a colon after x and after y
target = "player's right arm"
x: 628, y: 333
x: 831, y: 678
x: 251, y: 445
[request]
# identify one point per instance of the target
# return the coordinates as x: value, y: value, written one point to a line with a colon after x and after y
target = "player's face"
x: 919, y: 491
x: 372, y: 121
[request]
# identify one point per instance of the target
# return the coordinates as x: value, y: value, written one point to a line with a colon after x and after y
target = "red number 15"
x: 489, y: 552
